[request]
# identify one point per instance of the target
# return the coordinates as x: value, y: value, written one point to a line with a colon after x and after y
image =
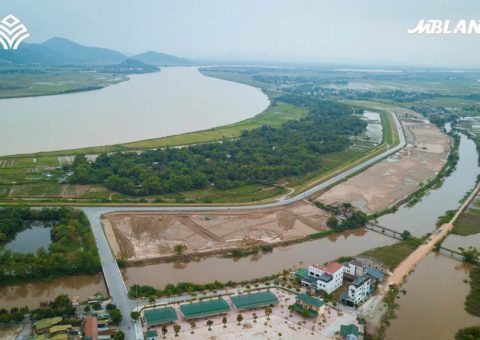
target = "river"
x: 173, y: 101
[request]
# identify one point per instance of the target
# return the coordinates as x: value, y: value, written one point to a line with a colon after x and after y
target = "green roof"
x: 360, y: 280
x: 348, y: 329
x: 256, y: 300
x: 301, y: 310
x: 59, y: 328
x: 205, y: 308
x: 47, y: 323
x: 302, y: 273
x: 310, y: 300
x: 151, y: 333
x: 160, y: 316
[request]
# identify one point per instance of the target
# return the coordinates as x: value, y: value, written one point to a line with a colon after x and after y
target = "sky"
x: 361, y: 32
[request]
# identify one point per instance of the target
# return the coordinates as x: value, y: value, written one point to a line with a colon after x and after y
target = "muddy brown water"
x: 33, y: 294
x: 246, y: 268
x: 433, y: 305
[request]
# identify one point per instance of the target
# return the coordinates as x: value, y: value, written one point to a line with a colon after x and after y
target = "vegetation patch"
x: 468, y: 223
x: 72, y: 251
x: 472, y: 302
x: 393, y: 254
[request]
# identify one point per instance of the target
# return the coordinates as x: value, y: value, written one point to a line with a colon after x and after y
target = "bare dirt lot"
x: 398, y: 176
x: 141, y: 236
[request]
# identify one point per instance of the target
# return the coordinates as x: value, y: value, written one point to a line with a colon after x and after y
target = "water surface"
x: 173, y: 101
x: 30, y: 240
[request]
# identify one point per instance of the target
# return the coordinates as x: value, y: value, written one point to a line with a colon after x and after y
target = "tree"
x: 179, y: 248
x: 87, y: 309
x: 291, y: 309
x: 470, y: 254
x: 239, y: 319
x: 135, y: 315
x: 209, y: 324
x: 268, y: 311
x: 255, y: 317
x: 116, y: 316
x: 406, y: 235
x: 332, y: 222
x: 469, y: 333
x: 224, y: 321
x: 111, y: 307
x: 192, y: 325
x: 164, y: 331
x: 176, y: 329
x: 119, y: 335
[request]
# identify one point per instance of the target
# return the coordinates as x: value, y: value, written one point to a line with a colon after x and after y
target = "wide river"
x: 173, y: 101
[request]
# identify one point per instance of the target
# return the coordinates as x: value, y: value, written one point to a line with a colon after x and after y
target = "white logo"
x: 12, y: 32
x: 446, y: 27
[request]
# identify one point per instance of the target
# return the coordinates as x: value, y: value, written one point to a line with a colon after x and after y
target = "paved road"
x: 113, y: 277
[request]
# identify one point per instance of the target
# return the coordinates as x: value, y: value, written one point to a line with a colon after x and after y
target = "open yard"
x: 393, y: 179
x: 142, y: 236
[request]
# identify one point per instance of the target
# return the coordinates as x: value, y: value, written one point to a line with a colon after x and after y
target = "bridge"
x: 383, y: 230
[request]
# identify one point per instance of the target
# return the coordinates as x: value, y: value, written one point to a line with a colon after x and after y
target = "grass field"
x: 469, y: 221
x: 393, y: 254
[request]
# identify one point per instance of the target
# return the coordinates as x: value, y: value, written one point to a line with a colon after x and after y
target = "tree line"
x: 259, y: 156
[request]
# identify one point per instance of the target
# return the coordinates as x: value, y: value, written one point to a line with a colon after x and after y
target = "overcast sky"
x: 320, y: 31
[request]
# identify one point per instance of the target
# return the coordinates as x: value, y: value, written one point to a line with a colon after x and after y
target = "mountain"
x: 160, y: 59
x: 32, y: 54
x: 79, y: 54
x: 129, y: 66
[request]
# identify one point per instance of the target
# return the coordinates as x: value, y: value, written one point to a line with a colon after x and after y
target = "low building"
x: 375, y: 274
x: 349, y: 332
x: 42, y: 326
x: 151, y: 334
x: 326, y: 278
x: 354, y: 268
x: 254, y: 300
x: 357, y: 292
x: 90, y: 329
x: 204, y: 309
x: 159, y: 316
x: 373, y: 263
x: 309, y: 305
x: 59, y: 331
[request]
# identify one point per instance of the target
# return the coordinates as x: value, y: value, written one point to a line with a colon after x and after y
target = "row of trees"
x: 260, y: 156
x: 73, y: 250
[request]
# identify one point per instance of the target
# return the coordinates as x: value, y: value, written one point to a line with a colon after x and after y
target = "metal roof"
x: 160, y: 316
x: 256, y: 300
x: 205, y: 308
x: 310, y: 300
x: 348, y: 329
x: 360, y: 280
x: 376, y: 274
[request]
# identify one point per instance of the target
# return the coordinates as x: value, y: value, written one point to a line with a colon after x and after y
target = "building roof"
x: 60, y: 336
x: 205, y: 308
x: 59, y: 328
x: 331, y: 267
x: 358, y: 263
x: 326, y: 277
x: 90, y: 329
x: 160, y: 316
x: 300, y: 309
x: 302, y: 273
x: 310, y: 300
x: 360, y: 280
x: 310, y: 280
x: 376, y: 274
x: 348, y: 329
x: 256, y: 300
x: 47, y: 323
x: 151, y: 333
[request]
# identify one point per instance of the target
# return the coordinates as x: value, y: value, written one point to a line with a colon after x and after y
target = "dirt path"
x: 407, y: 265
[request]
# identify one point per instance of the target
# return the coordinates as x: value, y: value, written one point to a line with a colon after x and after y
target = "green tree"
x: 291, y: 309
x: 239, y: 319
x: 176, y: 329
x: 224, y: 321
x: 179, y: 248
x: 116, y: 316
x: 119, y: 335
x: 268, y: 311
x: 164, y: 331
x: 135, y: 315
x: 192, y: 325
x: 209, y: 324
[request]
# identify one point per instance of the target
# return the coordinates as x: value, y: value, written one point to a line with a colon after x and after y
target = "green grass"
x: 468, y: 223
x: 472, y: 302
x: 393, y: 254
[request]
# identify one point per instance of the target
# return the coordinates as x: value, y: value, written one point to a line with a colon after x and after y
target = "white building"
x: 357, y: 292
x: 355, y: 268
x: 328, y: 278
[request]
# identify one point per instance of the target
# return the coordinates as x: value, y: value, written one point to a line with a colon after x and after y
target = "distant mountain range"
x: 59, y: 51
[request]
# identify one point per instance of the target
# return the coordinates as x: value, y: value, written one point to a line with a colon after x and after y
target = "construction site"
x: 139, y: 236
